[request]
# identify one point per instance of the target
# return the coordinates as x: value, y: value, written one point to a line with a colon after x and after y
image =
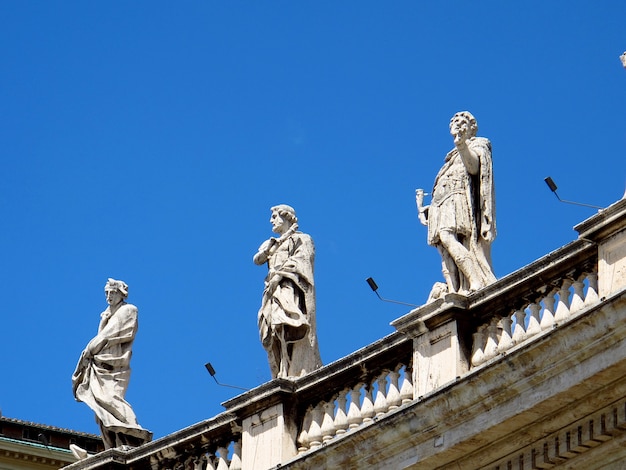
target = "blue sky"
x: 147, y: 140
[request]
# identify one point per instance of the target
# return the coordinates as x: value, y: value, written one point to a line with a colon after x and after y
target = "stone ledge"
x: 110, y: 458
x: 604, y: 224
x: 261, y: 397
x: 431, y: 315
x: 350, y: 369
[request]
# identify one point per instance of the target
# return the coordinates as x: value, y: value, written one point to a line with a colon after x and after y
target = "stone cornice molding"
x: 13, y: 449
x: 605, y: 223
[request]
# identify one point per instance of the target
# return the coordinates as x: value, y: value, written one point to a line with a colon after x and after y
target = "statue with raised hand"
x: 461, y: 215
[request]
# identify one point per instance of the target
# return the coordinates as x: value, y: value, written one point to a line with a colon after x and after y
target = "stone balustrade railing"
x: 457, y: 333
x: 548, y: 306
x: 354, y: 406
x: 210, y: 446
x: 349, y: 393
x: 434, y: 346
x: 213, y: 459
x: 214, y: 444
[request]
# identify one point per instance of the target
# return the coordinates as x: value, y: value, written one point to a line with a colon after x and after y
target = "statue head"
x: 115, y: 290
x: 464, y: 118
x: 283, y: 217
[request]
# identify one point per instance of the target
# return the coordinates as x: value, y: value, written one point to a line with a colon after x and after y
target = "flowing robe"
x: 464, y: 204
x: 287, y: 315
x: 102, y: 374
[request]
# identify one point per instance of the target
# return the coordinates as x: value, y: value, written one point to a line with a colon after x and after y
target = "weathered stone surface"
x: 103, y: 371
x: 612, y: 264
x: 287, y: 315
x: 268, y: 439
x: 608, y: 230
x: 461, y: 217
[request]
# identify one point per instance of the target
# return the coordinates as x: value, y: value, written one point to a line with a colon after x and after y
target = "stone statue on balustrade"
x: 461, y: 216
x: 103, y: 371
x: 286, y: 318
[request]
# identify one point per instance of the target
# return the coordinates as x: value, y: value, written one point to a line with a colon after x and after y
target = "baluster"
x: 367, y: 407
x: 547, y: 319
x: 592, y: 289
x: 199, y: 462
x: 491, y: 344
x: 354, y: 410
x: 534, y: 325
x: 478, y: 356
x: 519, y: 333
x: 341, y: 420
x: 562, y: 308
x: 506, y: 342
x: 328, y: 421
x: 184, y: 463
x: 235, y: 461
x: 210, y: 461
x: 406, y: 391
x: 222, y: 461
x: 393, y: 394
x: 315, y: 431
x: 303, y: 440
x: 578, y: 297
x: 380, y: 403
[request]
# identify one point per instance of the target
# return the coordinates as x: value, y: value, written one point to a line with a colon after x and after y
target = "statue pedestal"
x: 441, y: 350
x: 608, y: 230
x: 269, y: 428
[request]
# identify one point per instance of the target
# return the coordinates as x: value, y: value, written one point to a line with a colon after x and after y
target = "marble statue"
x: 461, y: 216
x: 287, y: 315
x: 103, y: 371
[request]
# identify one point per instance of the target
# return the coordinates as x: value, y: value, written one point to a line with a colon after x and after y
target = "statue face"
x: 279, y: 225
x: 114, y: 297
x: 459, y: 126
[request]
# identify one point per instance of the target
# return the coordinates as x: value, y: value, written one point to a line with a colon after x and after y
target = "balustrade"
x: 210, y: 459
x: 355, y: 406
x: 217, y: 459
x: 214, y: 444
x: 570, y: 294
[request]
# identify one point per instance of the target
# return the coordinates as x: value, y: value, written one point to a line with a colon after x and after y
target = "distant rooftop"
x: 20, y: 422
x: 48, y: 436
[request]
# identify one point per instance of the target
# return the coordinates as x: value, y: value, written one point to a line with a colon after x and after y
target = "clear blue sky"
x: 146, y: 141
